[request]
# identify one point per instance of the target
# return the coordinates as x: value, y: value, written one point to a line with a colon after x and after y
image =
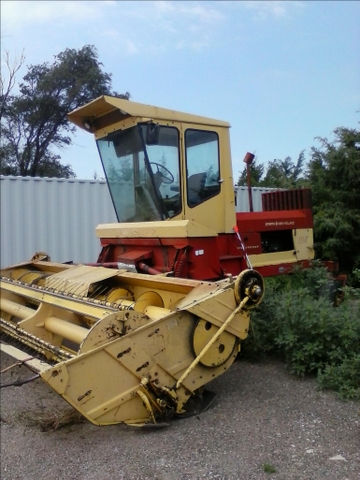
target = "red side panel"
x: 275, y: 220
x: 197, y: 258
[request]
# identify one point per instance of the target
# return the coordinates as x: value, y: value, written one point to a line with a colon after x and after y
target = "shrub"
x: 297, y: 322
x: 343, y: 378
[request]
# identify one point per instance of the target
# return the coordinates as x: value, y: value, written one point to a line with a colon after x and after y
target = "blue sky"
x: 282, y: 73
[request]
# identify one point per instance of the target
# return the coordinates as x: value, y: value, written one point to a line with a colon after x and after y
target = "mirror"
x: 152, y: 134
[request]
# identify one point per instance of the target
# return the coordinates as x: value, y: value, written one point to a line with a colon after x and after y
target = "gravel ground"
x: 261, y: 415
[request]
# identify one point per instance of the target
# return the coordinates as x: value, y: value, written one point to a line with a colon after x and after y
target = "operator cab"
x: 143, y: 170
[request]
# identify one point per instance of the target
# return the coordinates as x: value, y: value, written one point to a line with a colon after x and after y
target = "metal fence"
x: 59, y: 217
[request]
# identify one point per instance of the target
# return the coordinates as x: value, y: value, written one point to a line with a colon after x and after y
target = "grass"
x: 268, y: 468
x: 53, y: 420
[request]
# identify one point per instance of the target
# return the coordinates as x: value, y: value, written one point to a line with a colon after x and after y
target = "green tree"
x: 35, y: 120
x: 285, y: 173
x: 334, y: 174
x: 256, y: 173
x: 277, y: 174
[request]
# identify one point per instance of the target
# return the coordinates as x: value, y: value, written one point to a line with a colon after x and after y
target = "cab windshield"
x: 141, y: 165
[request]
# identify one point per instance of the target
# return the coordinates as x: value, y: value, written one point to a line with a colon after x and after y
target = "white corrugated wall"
x: 59, y: 217
x: 242, y: 198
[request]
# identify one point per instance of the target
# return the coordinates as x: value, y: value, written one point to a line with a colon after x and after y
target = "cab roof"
x: 118, y: 109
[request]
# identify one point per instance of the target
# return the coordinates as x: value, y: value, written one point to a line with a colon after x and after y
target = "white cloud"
x: 174, y: 17
x: 189, y: 22
x: 272, y: 8
x: 131, y: 48
x: 199, y: 11
x: 156, y: 26
x: 15, y: 14
x: 196, y: 45
x: 133, y: 27
x: 159, y: 26
x: 128, y: 46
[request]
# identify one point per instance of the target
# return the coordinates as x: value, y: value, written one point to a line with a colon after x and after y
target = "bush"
x: 297, y: 322
x: 343, y: 378
x: 354, y: 278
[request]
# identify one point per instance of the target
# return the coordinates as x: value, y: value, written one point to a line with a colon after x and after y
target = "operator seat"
x: 195, y: 188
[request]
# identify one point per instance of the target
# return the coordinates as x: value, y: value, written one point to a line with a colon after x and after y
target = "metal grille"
x: 298, y: 199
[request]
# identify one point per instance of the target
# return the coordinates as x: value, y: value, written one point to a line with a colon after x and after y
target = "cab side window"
x: 202, y: 165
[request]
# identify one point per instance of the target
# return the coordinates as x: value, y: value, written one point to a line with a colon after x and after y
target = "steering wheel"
x: 166, y: 176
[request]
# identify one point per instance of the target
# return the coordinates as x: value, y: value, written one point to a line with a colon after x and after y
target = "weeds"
x: 49, y: 421
x: 268, y: 468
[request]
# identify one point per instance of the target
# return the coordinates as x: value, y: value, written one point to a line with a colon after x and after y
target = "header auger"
x: 121, y: 346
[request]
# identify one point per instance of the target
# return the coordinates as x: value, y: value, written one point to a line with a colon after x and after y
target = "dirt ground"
x: 262, y: 419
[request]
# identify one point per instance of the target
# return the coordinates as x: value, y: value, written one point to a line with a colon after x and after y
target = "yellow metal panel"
x: 165, y: 229
x: 106, y: 104
x: 304, y: 243
x: 217, y: 309
x: 276, y: 258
